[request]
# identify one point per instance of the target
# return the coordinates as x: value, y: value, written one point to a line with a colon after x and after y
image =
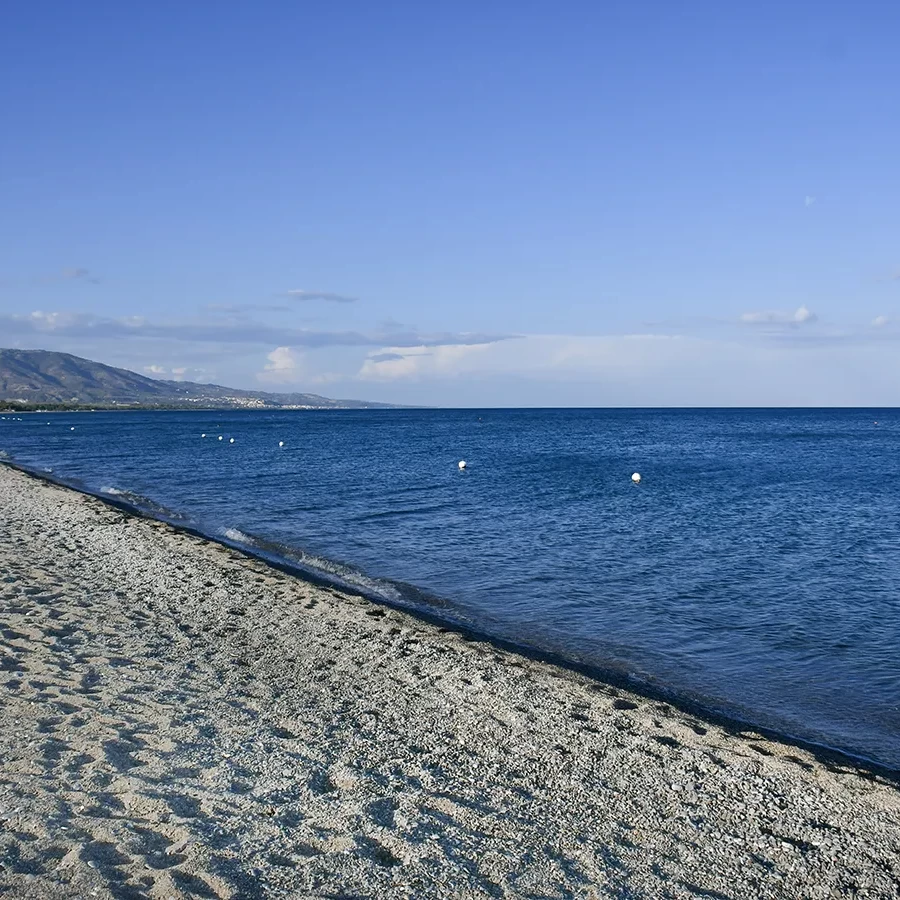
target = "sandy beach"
x: 181, y: 720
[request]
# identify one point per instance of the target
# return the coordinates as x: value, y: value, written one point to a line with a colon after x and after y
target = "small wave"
x: 143, y: 504
x: 336, y: 573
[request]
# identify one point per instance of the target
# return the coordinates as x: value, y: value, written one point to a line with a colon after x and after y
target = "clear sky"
x: 497, y: 203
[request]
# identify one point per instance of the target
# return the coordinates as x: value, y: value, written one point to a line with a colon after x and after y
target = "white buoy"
x: 281, y: 443
x: 202, y: 435
x: 462, y: 463
x: 231, y: 440
x: 636, y: 478
x: 72, y: 428
x: 220, y: 437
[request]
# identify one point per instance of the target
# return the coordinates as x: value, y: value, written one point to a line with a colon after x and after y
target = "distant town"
x: 32, y: 380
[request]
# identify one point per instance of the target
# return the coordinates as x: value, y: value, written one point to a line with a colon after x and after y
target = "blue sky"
x: 460, y: 204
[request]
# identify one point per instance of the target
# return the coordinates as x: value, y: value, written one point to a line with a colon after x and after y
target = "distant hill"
x: 34, y: 377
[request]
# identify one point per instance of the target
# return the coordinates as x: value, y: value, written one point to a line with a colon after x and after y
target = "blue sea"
x: 755, y: 570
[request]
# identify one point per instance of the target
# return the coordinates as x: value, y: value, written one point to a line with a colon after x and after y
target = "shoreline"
x: 612, y: 677
x: 181, y: 718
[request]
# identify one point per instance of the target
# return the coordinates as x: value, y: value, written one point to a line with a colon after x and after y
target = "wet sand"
x: 181, y: 720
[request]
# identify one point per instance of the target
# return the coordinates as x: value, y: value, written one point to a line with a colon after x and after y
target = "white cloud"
x: 392, y: 363
x: 42, y: 321
x: 552, y: 357
x: 880, y: 321
x: 801, y: 316
x: 635, y: 370
x: 788, y: 364
x: 288, y: 366
x: 176, y: 373
x: 808, y: 201
x: 756, y: 318
x: 284, y: 366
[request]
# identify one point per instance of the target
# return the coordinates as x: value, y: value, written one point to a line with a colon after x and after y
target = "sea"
x: 753, y: 572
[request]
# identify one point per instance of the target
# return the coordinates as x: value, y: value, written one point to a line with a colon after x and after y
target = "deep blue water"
x: 756, y: 568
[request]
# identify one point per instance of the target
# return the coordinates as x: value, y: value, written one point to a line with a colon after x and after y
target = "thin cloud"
x: 808, y: 201
x: 880, y: 321
x: 241, y: 308
x: 73, y: 273
x: 299, y: 294
x: 894, y: 276
x: 390, y: 324
x: 801, y: 316
x: 80, y: 274
x: 226, y: 331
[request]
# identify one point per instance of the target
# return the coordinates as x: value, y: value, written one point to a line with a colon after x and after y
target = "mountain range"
x: 37, y: 377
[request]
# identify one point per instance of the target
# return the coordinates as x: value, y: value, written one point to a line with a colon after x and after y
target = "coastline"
x: 441, y: 616
x: 183, y: 719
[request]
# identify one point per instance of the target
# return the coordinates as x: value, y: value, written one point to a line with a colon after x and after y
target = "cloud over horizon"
x: 176, y: 373
x: 798, y: 360
x: 283, y: 366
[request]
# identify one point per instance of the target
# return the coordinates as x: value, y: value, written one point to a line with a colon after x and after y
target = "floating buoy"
x: 281, y: 443
x: 462, y: 463
x: 220, y: 437
x: 231, y: 440
x: 636, y: 478
x: 72, y: 428
x: 202, y: 435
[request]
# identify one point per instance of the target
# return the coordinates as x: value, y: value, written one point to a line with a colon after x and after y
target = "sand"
x: 179, y: 719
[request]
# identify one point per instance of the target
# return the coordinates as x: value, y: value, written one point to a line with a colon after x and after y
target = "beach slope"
x: 180, y: 720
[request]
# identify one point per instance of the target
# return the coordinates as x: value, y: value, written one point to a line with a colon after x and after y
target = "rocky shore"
x: 180, y: 720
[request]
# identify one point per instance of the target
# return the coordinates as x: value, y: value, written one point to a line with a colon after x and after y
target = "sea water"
x: 754, y: 570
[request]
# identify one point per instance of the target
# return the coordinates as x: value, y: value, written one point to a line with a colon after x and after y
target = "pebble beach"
x: 179, y: 719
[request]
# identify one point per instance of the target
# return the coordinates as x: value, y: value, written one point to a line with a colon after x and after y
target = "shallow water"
x: 755, y: 569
